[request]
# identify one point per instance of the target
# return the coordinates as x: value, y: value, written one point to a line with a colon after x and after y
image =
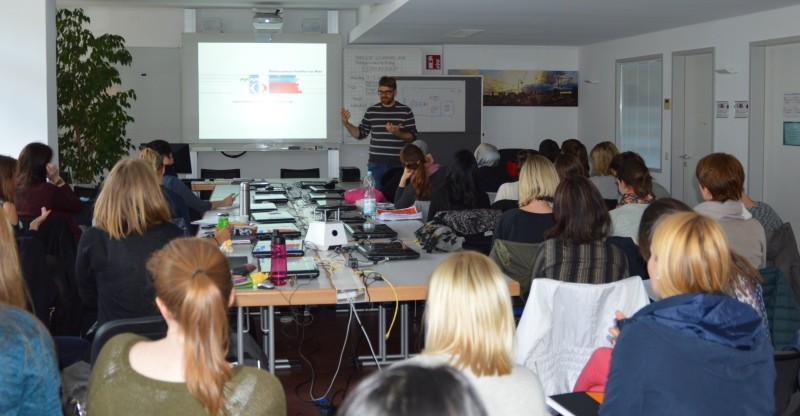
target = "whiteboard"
x: 438, y: 106
x: 363, y: 67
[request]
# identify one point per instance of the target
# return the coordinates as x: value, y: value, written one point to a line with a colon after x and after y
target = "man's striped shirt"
x: 384, y: 147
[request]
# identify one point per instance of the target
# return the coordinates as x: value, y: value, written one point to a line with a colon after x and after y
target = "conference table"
x: 407, y: 281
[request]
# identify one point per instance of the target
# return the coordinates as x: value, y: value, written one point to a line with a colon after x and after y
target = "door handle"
x: 685, y: 156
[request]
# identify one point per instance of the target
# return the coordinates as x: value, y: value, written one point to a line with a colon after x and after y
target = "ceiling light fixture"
x: 268, y: 21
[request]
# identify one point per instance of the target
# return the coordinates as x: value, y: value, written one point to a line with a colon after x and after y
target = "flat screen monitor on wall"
x: 238, y: 88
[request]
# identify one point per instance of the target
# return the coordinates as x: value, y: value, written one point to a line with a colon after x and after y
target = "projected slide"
x: 261, y: 91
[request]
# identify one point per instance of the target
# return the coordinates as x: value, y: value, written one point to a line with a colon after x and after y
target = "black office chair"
x: 787, y: 397
x: 508, y: 158
x: 299, y: 173
x: 153, y: 327
x: 217, y: 174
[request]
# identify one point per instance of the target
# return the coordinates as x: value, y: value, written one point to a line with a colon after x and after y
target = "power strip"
x: 348, y: 286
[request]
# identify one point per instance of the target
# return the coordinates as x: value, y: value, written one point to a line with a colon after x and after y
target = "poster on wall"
x: 526, y: 88
x: 791, y: 133
x: 791, y: 105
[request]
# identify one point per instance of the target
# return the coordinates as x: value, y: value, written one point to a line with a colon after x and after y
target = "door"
x: 693, y: 121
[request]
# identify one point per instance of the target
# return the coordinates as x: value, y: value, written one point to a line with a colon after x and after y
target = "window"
x: 639, y: 108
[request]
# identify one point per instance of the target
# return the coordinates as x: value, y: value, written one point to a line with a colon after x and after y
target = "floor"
x: 313, y: 342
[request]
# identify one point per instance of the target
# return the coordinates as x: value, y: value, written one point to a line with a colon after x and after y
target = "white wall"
x: 782, y: 163
x: 520, y: 126
x: 27, y: 75
x: 731, y: 39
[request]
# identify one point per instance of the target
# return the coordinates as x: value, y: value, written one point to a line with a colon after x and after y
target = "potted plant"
x: 92, y: 115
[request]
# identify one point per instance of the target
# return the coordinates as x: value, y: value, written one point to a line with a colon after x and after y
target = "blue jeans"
x: 378, y: 172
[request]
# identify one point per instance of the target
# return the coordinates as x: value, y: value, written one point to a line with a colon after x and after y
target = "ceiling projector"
x: 268, y: 21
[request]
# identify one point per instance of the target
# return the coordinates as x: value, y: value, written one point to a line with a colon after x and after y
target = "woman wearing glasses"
x: 420, y: 175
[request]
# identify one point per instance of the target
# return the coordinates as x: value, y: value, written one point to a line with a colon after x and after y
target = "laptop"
x: 272, y: 217
x: 358, y: 232
x: 301, y: 267
x: 334, y: 204
x: 322, y: 190
x: 270, y: 190
x: 288, y: 230
x: 262, y: 207
x: 326, y: 197
x: 308, y: 184
x: 394, y: 250
x: 295, y: 247
x: 280, y: 198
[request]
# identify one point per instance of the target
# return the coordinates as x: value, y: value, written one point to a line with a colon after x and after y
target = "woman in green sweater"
x: 185, y: 372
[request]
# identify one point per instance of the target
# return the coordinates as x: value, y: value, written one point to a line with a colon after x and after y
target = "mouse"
x: 266, y: 285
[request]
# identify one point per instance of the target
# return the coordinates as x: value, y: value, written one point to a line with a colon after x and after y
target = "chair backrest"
x: 563, y: 323
x: 508, y: 160
x: 153, y: 327
x: 299, y: 173
x: 220, y: 173
x: 515, y: 259
x: 787, y: 366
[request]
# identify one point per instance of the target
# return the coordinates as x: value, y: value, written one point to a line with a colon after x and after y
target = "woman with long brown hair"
x: 185, y: 372
x: 420, y: 176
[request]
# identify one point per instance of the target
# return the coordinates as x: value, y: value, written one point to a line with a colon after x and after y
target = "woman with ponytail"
x: 421, y: 177
x: 185, y: 372
x: 635, y: 185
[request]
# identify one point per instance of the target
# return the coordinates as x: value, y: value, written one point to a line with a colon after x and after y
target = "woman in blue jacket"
x: 697, y: 351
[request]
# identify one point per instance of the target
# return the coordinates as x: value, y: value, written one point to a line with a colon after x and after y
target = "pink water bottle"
x: 277, y: 274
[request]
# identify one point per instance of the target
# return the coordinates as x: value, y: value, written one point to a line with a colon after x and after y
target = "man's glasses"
x: 385, y: 92
x: 524, y: 154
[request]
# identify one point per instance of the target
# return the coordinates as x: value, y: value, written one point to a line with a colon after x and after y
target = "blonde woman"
x: 31, y: 383
x: 538, y: 181
x: 601, y: 175
x: 696, y: 351
x: 178, y: 209
x: 132, y: 221
x: 185, y: 372
x: 470, y: 326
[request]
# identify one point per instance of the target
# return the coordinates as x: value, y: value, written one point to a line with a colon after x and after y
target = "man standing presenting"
x: 391, y: 124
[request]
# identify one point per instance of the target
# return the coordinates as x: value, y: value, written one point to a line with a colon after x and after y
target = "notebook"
x: 307, y: 184
x: 262, y: 207
x: 301, y: 267
x: 395, y: 250
x: 322, y: 190
x: 272, y: 217
x: 358, y: 232
x: 326, y: 197
x: 280, y: 198
x: 288, y: 230
x: 295, y: 247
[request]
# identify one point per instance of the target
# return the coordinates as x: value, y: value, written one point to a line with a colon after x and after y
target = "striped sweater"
x: 384, y: 147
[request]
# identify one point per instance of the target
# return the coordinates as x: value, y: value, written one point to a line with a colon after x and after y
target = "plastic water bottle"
x: 277, y: 273
x: 370, y: 203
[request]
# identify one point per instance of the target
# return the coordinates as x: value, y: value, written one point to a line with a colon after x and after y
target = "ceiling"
x: 501, y: 22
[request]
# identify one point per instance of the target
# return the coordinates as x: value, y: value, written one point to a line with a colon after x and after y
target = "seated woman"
x: 132, y: 221
x: 9, y: 179
x: 569, y: 165
x: 509, y: 191
x: 697, y: 351
x: 528, y: 223
x: 420, y: 177
x: 186, y: 372
x: 601, y: 175
x: 721, y: 178
x: 460, y: 188
x: 578, y: 149
x: 480, y: 342
x: 414, y: 390
x: 171, y: 182
x: 549, y: 149
x: 178, y: 209
x: 576, y: 249
x: 490, y: 174
x: 40, y: 186
x: 635, y: 186
x: 658, y: 190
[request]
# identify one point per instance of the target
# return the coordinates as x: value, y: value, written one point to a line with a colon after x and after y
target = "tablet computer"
x: 301, y: 267
x: 358, y: 231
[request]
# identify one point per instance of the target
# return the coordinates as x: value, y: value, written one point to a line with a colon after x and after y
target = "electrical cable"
x: 364, y: 331
x: 396, y: 307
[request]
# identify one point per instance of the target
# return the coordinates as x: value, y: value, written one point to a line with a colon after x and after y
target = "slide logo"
x: 255, y: 85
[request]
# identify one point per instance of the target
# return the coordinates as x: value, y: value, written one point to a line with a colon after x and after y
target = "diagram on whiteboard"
x: 438, y: 106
